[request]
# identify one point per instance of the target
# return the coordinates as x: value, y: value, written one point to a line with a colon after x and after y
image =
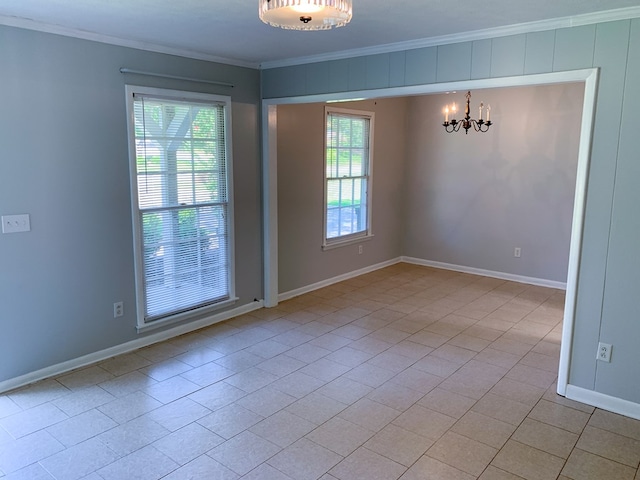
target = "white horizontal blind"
x: 183, y: 205
x: 347, y: 175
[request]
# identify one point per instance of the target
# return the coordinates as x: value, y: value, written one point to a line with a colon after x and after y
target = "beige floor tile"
x: 447, y: 402
x: 133, y: 435
x: 615, y: 423
x: 532, y: 376
x: 364, y: 463
x: 239, y: 361
x: 85, y: 377
x: 127, y: 383
x: 29, y: 421
x: 517, y: 391
x: 541, y: 361
x: 490, y: 431
x: 610, y: 445
x: 454, y: 354
x: 425, y: 422
x: 251, y: 379
x: 511, y: 346
x: 176, y: 415
x: 469, y: 342
x: 331, y: 342
x: 165, y: 369
x: 502, y: 409
x: 417, y: 379
x: 149, y: 460
x: 283, y: 428
x: 266, y: 401
x: 545, y: 437
x: 217, y: 395
x: 304, y: 460
x: 398, y: 444
x: 432, y: 469
x: 173, y: 388
x: 371, y: 345
x: 297, y: 384
x: 308, y: 353
x: 349, y: 356
x: 82, y: 400
x: 281, y: 365
x: 395, y: 396
x: 411, y: 350
x: 188, y: 443
x: 391, y: 361
x: 340, y: 436
x: 497, y: 357
x: 316, y: 408
x: 493, y: 473
x: 265, y: 472
x: 429, y: 339
x: 345, y: 390
x: 27, y: 450
x: 370, y: 375
x: 587, y: 466
x: 202, y: 468
x: 462, y: 453
x: 230, y: 420
x: 528, y: 462
x: 369, y: 414
x: 325, y: 369
x: 559, y: 416
x: 81, y: 427
x: 244, y: 452
x: 126, y: 363
x: 436, y: 366
x: 82, y: 459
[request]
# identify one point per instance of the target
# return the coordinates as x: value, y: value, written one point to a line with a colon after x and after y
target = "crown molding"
x: 29, y: 24
x: 539, y: 26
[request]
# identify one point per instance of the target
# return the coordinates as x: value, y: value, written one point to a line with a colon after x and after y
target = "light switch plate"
x: 16, y: 223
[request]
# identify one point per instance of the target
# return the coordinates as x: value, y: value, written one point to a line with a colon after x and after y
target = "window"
x: 183, y: 216
x: 347, y: 176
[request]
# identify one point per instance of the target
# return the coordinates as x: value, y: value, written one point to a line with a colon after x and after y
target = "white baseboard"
x: 487, y: 273
x: 60, y: 368
x: 340, y: 278
x: 606, y: 402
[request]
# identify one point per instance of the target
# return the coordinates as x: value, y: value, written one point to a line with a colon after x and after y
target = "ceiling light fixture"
x: 467, y: 122
x: 305, y: 14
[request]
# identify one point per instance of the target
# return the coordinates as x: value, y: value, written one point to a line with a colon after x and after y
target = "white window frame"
x: 229, y: 299
x: 367, y: 233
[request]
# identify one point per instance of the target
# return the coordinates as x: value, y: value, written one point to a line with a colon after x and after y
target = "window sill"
x: 185, y: 316
x: 346, y: 242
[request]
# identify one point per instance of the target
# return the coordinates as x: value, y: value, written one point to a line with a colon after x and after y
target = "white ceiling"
x: 231, y: 29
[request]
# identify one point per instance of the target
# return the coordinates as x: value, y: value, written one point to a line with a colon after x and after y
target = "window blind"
x: 182, y: 202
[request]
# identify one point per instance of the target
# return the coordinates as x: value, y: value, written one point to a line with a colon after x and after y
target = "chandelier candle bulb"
x: 446, y: 114
x: 488, y: 113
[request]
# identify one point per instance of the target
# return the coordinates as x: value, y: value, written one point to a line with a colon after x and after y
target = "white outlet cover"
x: 16, y: 223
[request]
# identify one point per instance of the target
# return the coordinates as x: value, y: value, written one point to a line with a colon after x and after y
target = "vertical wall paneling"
x: 539, y: 52
x: 507, y: 56
x: 357, y: 73
x: 454, y: 62
x: 397, y: 69
x: 339, y: 75
x: 610, y: 55
x: 377, y: 71
x: 574, y: 48
x: 317, y: 75
x: 621, y: 309
x: 420, y: 66
x: 481, y: 59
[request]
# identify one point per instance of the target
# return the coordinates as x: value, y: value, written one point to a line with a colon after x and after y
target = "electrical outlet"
x: 604, y: 352
x: 516, y: 252
x: 118, y: 309
x: 359, y: 249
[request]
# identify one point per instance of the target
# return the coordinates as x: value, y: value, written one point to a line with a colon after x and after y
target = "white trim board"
x: 487, y: 273
x: 83, y: 361
x: 603, y: 401
x: 340, y: 278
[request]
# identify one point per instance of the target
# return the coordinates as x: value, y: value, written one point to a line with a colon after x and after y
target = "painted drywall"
x: 472, y: 198
x: 64, y: 161
x: 605, y: 46
x: 302, y: 261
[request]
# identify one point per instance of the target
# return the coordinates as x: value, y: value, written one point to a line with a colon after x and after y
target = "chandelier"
x: 305, y: 14
x: 467, y: 122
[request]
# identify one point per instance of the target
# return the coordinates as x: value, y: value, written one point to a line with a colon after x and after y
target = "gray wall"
x: 302, y: 261
x: 470, y: 199
x: 64, y: 160
x: 607, y: 307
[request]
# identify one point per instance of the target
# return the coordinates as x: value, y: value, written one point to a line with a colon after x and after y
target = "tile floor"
x: 407, y: 372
